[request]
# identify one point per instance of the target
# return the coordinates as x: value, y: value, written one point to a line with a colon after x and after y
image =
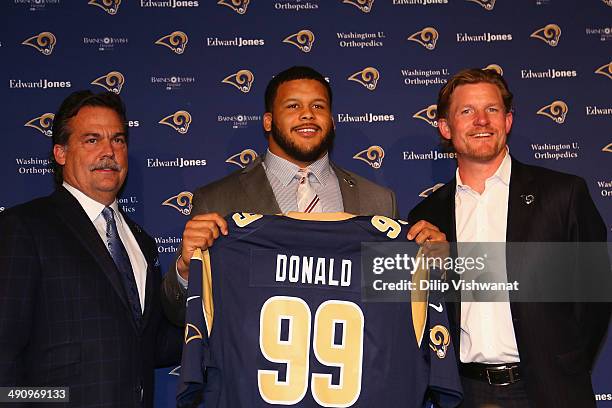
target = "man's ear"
x: 59, y: 154
x: 267, y: 121
x: 444, y: 129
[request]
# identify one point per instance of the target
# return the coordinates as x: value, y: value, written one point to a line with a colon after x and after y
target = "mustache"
x: 106, y: 164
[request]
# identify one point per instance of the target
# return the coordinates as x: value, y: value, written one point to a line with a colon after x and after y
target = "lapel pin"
x: 529, y: 198
x: 350, y: 182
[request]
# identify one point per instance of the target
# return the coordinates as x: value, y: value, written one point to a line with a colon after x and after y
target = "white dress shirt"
x: 487, y: 333
x: 93, y: 209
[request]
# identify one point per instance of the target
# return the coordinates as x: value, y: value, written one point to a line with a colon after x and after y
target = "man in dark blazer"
x: 300, y: 130
x: 517, y: 354
x: 80, y: 282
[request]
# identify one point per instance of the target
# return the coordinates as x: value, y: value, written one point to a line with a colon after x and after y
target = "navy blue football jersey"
x: 275, y: 317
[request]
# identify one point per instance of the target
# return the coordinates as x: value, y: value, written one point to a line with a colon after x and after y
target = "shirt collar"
x: 285, y: 171
x: 502, y: 173
x: 92, y: 208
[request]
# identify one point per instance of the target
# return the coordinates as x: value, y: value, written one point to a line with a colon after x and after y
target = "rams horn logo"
x: 363, y: 5
x: 43, y: 42
x: 180, y: 202
x: 42, y: 123
x: 239, y: 6
x: 179, y: 121
x: 367, y: 77
x: 486, y: 4
x: 110, y: 6
x: 175, y: 371
x: 550, y: 34
x: 192, y: 333
x: 494, y: 67
x: 439, y: 339
x: 427, y: 192
x: 429, y: 115
x: 605, y: 70
x: 556, y: 111
x: 113, y: 81
x: 427, y: 37
x: 243, y: 159
x: 242, y: 80
x: 374, y: 156
x: 177, y: 41
x: 607, y: 149
x: 303, y: 39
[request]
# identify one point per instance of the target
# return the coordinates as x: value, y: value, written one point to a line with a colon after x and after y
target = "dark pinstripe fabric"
x: 64, y: 317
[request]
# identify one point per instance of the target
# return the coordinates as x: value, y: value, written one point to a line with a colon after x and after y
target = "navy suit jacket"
x: 64, y: 315
x: 557, y: 342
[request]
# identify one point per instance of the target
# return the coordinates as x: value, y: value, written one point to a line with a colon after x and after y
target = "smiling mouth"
x: 481, y: 135
x: 306, y: 130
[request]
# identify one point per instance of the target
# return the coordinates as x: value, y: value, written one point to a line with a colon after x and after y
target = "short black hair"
x: 290, y: 74
x: 69, y: 108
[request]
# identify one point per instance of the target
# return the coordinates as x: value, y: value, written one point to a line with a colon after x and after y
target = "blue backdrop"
x: 193, y: 72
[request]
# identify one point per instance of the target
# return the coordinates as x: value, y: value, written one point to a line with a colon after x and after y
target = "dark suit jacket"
x: 64, y: 316
x: 248, y: 190
x: 557, y: 342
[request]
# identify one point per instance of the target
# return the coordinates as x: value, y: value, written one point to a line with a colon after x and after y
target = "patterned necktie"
x: 307, y: 198
x: 122, y: 260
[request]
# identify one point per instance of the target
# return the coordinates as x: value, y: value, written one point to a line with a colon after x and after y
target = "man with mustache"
x: 79, y: 281
x: 299, y: 126
x: 517, y: 354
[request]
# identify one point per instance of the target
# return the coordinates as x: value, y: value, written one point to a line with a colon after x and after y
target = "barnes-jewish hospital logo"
x: 179, y: 121
x: 605, y: 69
x: 242, y: 80
x: 550, y: 34
x: 368, y: 77
x: 373, y: 156
x: 180, y: 202
x: 363, y: 5
x: 43, y: 42
x: 427, y: 192
x: 110, y: 6
x: 303, y: 39
x: 176, y: 41
x: 42, y: 123
x: 239, y: 6
x: 555, y: 111
x: 486, y: 4
x: 113, y: 81
x: 243, y: 159
x: 427, y: 37
x: 429, y: 115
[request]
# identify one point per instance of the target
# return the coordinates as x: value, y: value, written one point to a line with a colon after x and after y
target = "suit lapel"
x: 75, y: 218
x: 257, y: 188
x: 522, y: 191
x: 349, y: 190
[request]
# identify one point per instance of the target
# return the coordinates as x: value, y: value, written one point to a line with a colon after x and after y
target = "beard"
x: 298, y: 153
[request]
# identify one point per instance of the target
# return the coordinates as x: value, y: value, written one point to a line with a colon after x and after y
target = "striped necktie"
x: 122, y: 261
x: 307, y: 198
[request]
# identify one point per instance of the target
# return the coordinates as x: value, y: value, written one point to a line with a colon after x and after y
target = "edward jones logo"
x: 40, y: 84
x: 485, y: 4
x: 239, y: 6
x: 550, y: 34
x: 179, y: 121
x: 234, y: 42
x: 180, y: 202
x: 242, y: 159
x: 169, y: 3
x: 605, y: 70
x: 555, y: 111
x: 303, y: 40
x: 110, y: 6
x: 177, y: 42
x: 429, y: 115
x: 364, y: 5
x: 113, y: 81
x: 368, y: 77
x: 373, y: 156
x: 242, y: 80
x: 427, y: 37
x: 367, y: 117
x: 42, y: 123
x: 483, y: 37
x: 43, y: 42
